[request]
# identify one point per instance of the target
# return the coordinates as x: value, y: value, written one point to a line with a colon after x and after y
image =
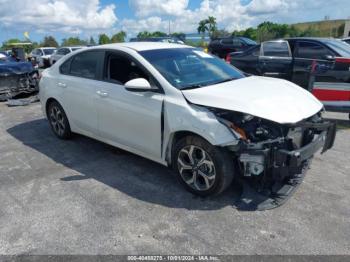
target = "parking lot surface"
x: 85, y: 197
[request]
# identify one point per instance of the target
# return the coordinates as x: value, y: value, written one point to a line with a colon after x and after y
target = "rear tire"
x: 203, y: 169
x: 58, y: 120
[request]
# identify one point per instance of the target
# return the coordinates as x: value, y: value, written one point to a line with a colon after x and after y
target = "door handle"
x: 102, y: 94
x: 63, y: 85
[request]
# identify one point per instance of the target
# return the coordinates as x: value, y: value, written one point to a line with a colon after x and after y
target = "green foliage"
x: 118, y: 37
x: 92, y: 41
x: 103, y: 39
x: 73, y: 41
x: 268, y: 30
x: 146, y: 34
x: 220, y: 33
x: 49, y: 41
x: 179, y: 35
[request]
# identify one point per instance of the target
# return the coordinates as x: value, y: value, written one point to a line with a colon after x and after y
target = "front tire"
x: 202, y: 168
x: 58, y: 121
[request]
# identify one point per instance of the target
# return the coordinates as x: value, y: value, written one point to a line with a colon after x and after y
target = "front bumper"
x: 284, y: 169
x: 295, y: 158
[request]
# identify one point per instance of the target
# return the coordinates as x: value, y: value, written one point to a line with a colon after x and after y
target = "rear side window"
x: 311, y: 50
x: 227, y: 41
x: 65, y: 67
x: 85, y: 64
x: 278, y: 49
x: 237, y: 42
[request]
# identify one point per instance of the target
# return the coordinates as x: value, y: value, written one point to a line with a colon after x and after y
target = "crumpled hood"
x: 15, y: 68
x: 273, y: 99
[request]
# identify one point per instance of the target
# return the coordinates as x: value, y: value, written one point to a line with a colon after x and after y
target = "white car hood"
x: 273, y: 99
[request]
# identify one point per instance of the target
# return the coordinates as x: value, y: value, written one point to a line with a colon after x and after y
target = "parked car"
x: 346, y: 40
x: 41, y: 56
x: 61, y: 52
x: 158, y: 39
x: 223, y: 46
x: 16, y: 78
x: 188, y: 110
x: 293, y: 59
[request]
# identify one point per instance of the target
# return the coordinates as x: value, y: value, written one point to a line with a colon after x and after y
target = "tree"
x: 143, y: 34
x: 146, y: 34
x: 179, y: 35
x: 103, y: 39
x: 118, y: 37
x: 73, y: 41
x: 49, y: 41
x: 220, y: 33
x: 92, y: 41
x: 202, y: 28
x: 212, y: 26
x: 158, y: 34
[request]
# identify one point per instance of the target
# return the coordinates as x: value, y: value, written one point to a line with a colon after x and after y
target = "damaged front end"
x: 272, y: 157
x: 17, y: 78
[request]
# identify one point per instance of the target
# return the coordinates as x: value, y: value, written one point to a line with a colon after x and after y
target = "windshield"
x: 248, y: 41
x: 187, y: 68
x: 75, y: 48
x: 49, y: 51
x: 339, y: 46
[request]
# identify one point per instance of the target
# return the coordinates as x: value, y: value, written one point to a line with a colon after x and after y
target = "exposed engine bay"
x: 273, y: 157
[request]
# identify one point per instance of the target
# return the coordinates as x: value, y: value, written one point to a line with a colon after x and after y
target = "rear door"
x: 275, y: 59
x: 80, y: 77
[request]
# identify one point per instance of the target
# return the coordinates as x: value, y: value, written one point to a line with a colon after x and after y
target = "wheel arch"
x: 49, y: 101
x: 175, y: 137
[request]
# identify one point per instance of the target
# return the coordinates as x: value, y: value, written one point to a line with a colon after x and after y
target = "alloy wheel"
x: 57, y: 120
x: 196, y: 168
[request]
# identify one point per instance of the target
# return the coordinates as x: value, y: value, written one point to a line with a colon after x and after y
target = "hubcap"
x: 196, y: 167
x: 57, y: 120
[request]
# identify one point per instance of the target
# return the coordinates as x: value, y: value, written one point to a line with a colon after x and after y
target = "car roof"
x: 311, y: 38
x: 143, y: 46
x: 47, y: 48
x: 76, y: 46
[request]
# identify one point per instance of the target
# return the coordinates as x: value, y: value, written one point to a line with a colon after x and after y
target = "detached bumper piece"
x: 284, y: 170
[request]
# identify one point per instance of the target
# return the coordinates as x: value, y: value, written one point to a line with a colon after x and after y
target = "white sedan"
x: 188, y: 110
x: 61, y: 52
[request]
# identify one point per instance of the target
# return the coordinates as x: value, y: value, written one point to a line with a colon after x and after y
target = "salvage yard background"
x: 84, y: 197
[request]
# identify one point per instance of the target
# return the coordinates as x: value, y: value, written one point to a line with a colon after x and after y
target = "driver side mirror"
x: 328, y: 57
x: 139, y: 85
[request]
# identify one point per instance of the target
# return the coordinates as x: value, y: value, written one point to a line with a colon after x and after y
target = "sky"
x: 85, y: 18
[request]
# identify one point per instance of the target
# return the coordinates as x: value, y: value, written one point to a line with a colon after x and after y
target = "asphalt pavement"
x: 85, y: 197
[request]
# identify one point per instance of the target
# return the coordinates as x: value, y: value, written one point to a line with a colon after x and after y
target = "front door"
x: 306, y: 54
x: 132, y: 119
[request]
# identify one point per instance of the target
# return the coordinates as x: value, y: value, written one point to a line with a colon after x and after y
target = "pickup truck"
x: 321, y: 65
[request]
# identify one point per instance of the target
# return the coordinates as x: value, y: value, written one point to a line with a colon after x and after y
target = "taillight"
x: 228, y: 59
x: 342, y: 60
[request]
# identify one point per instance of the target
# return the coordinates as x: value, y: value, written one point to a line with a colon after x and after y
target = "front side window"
x: 85, y: 64
x: 237, y: 43
x: 311, y: 50
x: 277, y: 49
x: 121, y: 69
x: 186, y: 68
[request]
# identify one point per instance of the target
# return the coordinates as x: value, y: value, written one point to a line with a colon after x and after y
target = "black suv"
x: 223, y: 46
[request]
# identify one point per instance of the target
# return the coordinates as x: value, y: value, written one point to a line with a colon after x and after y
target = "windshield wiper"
x: 225, y: 80
x: 192, y: 87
